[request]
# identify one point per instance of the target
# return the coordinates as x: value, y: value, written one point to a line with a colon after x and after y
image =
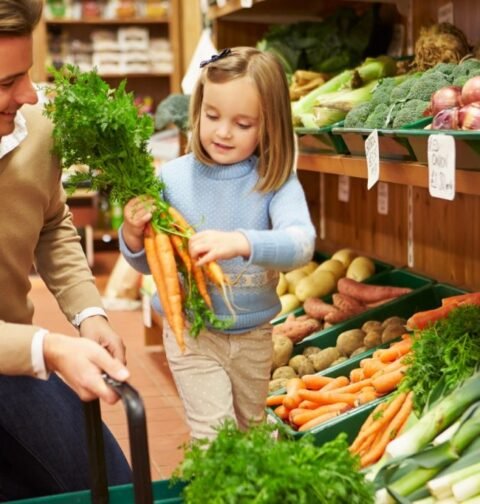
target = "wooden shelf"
x: 395, y: 172
x: 143, y: 75
x: 101, y: 21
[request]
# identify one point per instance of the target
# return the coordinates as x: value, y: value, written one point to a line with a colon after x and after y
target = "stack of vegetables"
x: 312, y: 400
x: 441, y: 436
x: 101, y: 131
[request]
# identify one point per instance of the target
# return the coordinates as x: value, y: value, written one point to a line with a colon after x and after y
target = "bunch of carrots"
x: 166, y: 250
x: 311, y: 400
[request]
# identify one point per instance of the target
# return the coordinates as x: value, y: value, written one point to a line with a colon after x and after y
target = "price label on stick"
x: 343, y: 188
x: 372, y: 154
x: 441, y: 166
x: 221, y: 3
x: 246, y: 4
x: 382, y: 198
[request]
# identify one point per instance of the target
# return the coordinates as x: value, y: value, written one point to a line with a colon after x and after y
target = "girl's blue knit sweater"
x: 277, y: 225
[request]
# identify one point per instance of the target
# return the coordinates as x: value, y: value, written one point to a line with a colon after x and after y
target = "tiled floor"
x: 150, y: 375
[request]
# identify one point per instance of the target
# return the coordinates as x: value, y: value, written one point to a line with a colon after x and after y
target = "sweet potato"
x: 369, y: 293
x: 346, y: 302
x: 341, y: 315
x: 296, y: 330
x: 317, y: 308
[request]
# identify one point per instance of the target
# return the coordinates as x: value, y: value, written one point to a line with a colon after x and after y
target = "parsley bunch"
x: 444, y: 355
x: 252, y: 467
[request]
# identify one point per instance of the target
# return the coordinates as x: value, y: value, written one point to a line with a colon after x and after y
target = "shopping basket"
x: 142, y: 491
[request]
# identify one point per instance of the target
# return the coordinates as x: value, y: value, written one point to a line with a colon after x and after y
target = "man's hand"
x: 98, y: 329
x: 81, y: 362
x: 211, y: 245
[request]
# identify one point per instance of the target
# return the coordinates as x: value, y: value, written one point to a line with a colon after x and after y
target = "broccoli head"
x: 401, y: 91
x: 358, y: 115
x: 173, y: 110
x: 411, y: 111
x: 444, y: 68
x: 465, y: 70
x: 382, y: 91
x: 426, y: 85
x: 378, y: 118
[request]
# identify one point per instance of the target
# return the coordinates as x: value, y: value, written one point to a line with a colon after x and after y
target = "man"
x: 42, y: 439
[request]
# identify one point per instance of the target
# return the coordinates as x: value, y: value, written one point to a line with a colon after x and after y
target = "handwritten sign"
x: 372, y: 154
x: 441, y: 166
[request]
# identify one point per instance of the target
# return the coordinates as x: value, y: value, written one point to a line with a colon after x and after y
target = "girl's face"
x: 16, y: 88
x: 230, y: 120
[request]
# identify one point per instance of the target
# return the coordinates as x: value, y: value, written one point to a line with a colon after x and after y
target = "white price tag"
x: 441, y: 166
x: 147, y: 310
x: 445, y: 13
x: 246, y: 4
x: 221, y: 3
x: 343, y: 188
x: 410, y: 223
x: 372, y: 154
x: 382, y: 198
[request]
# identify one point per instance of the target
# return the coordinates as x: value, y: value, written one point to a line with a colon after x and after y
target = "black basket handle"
x: 137, y: 431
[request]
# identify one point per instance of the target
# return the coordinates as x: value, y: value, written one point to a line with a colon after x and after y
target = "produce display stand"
x: 391, y: 146
x: 467, y: 145
x: 321, y: 140
x: 426, y: 298
x: 380, y: 268
x: 142, y: 491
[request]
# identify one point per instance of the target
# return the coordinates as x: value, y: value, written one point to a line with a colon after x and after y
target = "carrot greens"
x: 102, y: 139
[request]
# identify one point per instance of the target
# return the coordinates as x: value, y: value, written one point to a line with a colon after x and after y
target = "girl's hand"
x: 136, y: 213
x: 211, y: 245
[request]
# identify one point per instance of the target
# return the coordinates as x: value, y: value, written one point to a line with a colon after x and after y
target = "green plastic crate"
x: 397, y: 278
x: 320, y: 140
x: 391, y: 146
x: 350, y: 422
x: 380, y: 268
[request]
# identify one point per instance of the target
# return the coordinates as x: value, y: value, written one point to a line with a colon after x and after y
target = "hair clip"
x: 215, y: 57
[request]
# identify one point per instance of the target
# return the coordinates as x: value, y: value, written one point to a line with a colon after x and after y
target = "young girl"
x: 238, y: 189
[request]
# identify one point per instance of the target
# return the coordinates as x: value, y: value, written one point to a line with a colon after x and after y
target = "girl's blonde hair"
x: 276, y: 148
x: 19, y: 17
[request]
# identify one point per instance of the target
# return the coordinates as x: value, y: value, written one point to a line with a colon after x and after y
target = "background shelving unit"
x: 436, y: 237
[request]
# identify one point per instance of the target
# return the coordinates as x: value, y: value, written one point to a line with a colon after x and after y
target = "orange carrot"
x: 378, y: 448
x: 173, y: 294
x: 371, y: 366
x: 181, y: 250
x: 308, y: 405
x: 318, y: 420
x: 351, y: 388
x: 395, y: 351
x: 304, y: 417
x: 381, y: 418
x: 336, y: 383
x: 275, y: 400
x: 467, y: 298
x: 392, y: 366
x: 366, y: 395
x: 328, y: 397
x: 315, y: 381
x: 388, y: 381
x: 357, y: 375
x: 281, y: 412
x: 292, y: 398
x: 372, y: 417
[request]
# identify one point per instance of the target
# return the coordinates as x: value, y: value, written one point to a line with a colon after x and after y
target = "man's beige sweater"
x: 36, y: 228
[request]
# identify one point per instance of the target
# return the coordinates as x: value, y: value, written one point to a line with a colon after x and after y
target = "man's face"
x: 16, y: 88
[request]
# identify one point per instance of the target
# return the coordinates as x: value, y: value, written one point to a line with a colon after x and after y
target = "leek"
x: 436, y: 420
x: 473, y: 500
x: 324, y: 116
x: 447, y: 434
x: 468, y: 487
x: 346, y: 100
x: 442, y: 486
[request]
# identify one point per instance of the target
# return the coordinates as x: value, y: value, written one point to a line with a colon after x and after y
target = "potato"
x: 358, y: 351
x: 317, y: 284
x: 297, y: 361
x: 284, y: 372
x: 394, y: 320
x: 282, y: 350
x: 341, y: 359
x: 309, y: 350
x: 289, y: 303
x: 282, y: 285
x: 371, y: 325
x: 323, y: 359
x: 346, y: 256
x: 360, y: 268
x: 277, y: 384
x: 373, y: 338
x: 349, y: 341
x: 293, y: 277
x: 392, y: 331
x: 335, y: 266
x: 310, y: 267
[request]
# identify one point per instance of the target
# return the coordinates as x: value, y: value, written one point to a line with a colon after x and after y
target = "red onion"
x: 446, y: 119
x: 471, y: 90
x: 469, y: 116
x: 445, y: 97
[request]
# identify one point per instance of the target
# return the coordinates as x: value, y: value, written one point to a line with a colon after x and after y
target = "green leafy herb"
x: 444, y: 354
x: 252, y: 467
